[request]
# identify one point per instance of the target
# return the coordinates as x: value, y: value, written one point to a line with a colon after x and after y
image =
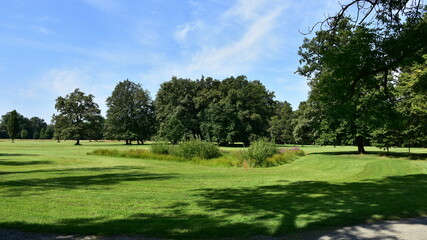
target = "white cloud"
x: 109, y: 6
x: 258, y: 40
x: 182, y: 31
x: 28, y: 92
x: 246, y: 9
x: 64, y: 81
x: 41, y: 29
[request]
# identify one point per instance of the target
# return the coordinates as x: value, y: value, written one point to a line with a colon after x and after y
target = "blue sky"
x: 50, y: 47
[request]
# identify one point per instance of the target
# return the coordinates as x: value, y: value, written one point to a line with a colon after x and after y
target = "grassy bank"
x: 57, y: 187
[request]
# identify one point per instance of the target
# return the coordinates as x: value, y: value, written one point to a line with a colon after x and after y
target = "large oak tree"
x: 130, y: 114
x: 77, y: 114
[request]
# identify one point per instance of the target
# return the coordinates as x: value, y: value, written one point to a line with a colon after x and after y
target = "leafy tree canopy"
x: 130, y: 114
x: 77, y: 114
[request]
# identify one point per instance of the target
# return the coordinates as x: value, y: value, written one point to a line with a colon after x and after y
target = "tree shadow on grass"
x: 411, y: 156
x: 16, y: 154
x: 85, y: 180
x: 280, y: 209
x: 69, y: 170
x: 7, y: 162
x: 315, y: 204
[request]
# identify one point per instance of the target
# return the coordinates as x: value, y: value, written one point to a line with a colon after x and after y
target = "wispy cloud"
x: 41, y: 29
x: 109, y: 6
x: 238, y: 56
x: 64, y: 81
x: 183, y: 30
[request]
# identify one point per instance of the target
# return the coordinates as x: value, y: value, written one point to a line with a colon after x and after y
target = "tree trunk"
x: 360, y: 145
x: 78, y: 142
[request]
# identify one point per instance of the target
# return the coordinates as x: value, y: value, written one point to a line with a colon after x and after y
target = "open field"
x: 55, y: 187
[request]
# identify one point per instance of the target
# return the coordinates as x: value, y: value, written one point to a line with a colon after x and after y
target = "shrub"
x: 259, y: 151
x: 196, y: 149
x: 161, y: 148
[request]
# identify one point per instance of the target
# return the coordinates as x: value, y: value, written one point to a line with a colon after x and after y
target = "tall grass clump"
x: 196, y: 148
x: 136, y: 153
x: 283, y: 156
x: 259, y: 151
x: 161, y: 148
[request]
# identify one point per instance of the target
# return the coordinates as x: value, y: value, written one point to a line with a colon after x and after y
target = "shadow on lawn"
x: 243, y: 212
x: 68, y: 170
x: 16, y: 154
x: 7, y: 162
x: 412, y: 156
x: 88, y: 179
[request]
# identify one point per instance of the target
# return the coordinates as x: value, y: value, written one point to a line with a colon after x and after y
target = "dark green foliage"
x: 176, y: 110
x: 304, y: 124
x: 229, y: 111
x: 49, y: 132
x: 260, y: 150
x: 42, y: 133
x: 36, y: 135
x: 196, y: 148
x: 412, y: 103
x: 130, y: 114
x: 77, y: 113
x: 24, y: 134
x: 13, y: 125
x: 160, y: 148
x: 350, y: 68
x: 281, y: 127
x: 236, y: 110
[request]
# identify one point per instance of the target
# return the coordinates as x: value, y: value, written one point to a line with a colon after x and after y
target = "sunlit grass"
x: 56, y: 187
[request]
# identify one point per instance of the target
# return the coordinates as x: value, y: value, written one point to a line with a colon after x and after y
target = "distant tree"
x: 36, y: 124
x: 42, y: 133
x: 411, y: 90
x: 24, y: 134
x: 130, y: 114
x: 304, y: 124
x: 49, y: 132
x: 176, y: 110
x: 238, y: 111
x: 96, y: 130
x: 77, y: 112
x: 36, y: 135
x: 281, y: 127
x: 13, y: 125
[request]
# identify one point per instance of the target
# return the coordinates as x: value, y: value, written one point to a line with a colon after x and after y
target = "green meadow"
x: 56, y: 187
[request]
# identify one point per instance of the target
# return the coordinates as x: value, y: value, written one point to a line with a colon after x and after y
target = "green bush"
x: 196, y: 149
x: 161, y: 148
x: 259, y: 151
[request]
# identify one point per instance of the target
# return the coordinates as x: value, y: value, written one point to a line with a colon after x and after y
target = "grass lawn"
x: 55, y: 187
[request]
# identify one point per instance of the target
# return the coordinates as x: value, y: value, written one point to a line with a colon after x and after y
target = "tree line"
x: 368, y: 86
x: 14, y: 125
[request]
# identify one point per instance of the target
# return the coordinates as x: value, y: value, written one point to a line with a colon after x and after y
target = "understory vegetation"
x: 259, y: 154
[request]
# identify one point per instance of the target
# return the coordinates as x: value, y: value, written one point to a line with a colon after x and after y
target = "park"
x: 96, y: 142
x: 58, y: 188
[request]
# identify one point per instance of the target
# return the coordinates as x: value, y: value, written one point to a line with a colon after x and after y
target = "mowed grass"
x: 56, y: 187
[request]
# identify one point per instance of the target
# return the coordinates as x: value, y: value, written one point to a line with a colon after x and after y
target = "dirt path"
x: 411, y: 229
